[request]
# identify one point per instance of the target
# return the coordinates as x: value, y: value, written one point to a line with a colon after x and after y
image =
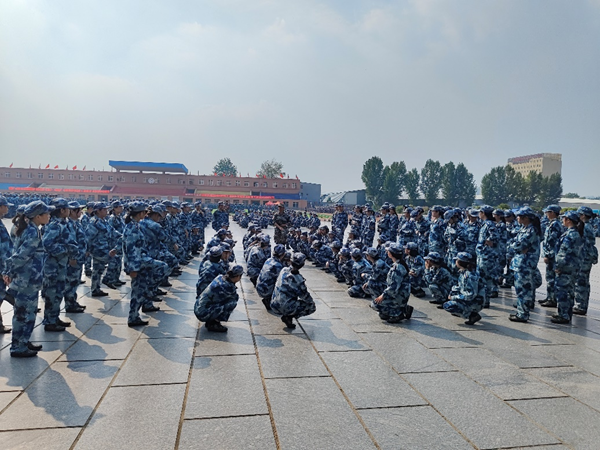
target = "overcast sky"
x: 319, y: 85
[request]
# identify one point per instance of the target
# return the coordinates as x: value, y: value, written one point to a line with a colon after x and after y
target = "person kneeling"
x: 290, y: 297
x: 218, y: 300
x: 393, y: 305
x: 466, y: 298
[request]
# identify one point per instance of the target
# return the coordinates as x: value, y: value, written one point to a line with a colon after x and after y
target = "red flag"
x: 56, y: 167
x: 47, y: 166
x: 281, y: 175
x: 74, y: 167
x: 264, y: 176
x: 215, y: 174
x: 83, y: 167
x: 40, y: 166
x: 67, y: 168
x: 11, y: 164
x: 297, y: 177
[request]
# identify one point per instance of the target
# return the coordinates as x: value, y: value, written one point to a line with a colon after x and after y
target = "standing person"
x: 392, y: 305
x: 589, y: 258
x: 339, y: 221
x: 85, y: 221
x: 466, y: 297
x: 98, y: 240
x: 74, y: 271
x: 487, y: 243
x: 527, y: 254
x: 62, y: 250
x: 291, y: 298
x: 552, y: 234
x: 368, y: 230
x: 117, y: 226
x: 218, y: 300
x: 145, y: 272
x: 454, y: 235
x: 24, y: 275
x: 568, y: 259
x: 394, y: 224
x: 282, y: 221
x: 512, y: 229
x: 384, y: 225
x: 436, y: 242
x: 6, y: 249
x: 220, y: 217
x: 499, y: 218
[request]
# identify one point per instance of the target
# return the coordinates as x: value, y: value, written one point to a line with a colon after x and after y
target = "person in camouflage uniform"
x: 269, y: 273
x: 356, y: 221
x: 527, y: 253
x: 589, y: 258
x: 368, y: 229
x: 438, y: 278
x: 375, y: 281
x: 282, y: 222
x: 74, y: 271
x: 334, y: 264
x: 361, y: 266
x: 6, y: 249
x: 113, y: 271
x: 568, y: 259
x: 220, y: 217
x: 339, y: 221
x: 98, y: 235
x: 394, y: 224
x: 218, y: 300
x: 290, y: 297
x: 210, y: 269
x: 436, y: 242
x: 552, y: 234
x: 416, y: 269
x: 454, y: 235
x: 487, y: 255
x: 23, y: 272
x: 392, y: 305
x: 422, y: 227
x: 466, y: 297
x: 384, y: 224
x: 257, y: 257
x: 512, y: 229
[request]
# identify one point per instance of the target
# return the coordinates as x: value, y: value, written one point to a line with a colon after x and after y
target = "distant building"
x: 311, y: 193
x: 151, y: 181
x: 545, y: 163
x: 357, y: 197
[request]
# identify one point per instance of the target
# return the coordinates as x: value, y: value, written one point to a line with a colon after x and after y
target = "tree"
x: 271, y: 169
x: 493, y: 186
x: 534, y: 182
x: 552, y: 190
x: 515, y: 185
x: 465, y: 186
x: 225, y: 167
x: 430, y: 181
x: 449, y: 181
x: 393, y: 182
x: 411, y: 185
x: 571, y: 195
x: 372, y: 177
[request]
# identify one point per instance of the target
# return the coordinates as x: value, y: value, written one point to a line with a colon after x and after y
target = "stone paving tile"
x: 48, y: 439
x: 332, y: 335
x: 573, y: 381
x: 432, y: 335
x: 237, y: 341
x: 231, y: 433
x: 364, y: 320
x: 103, y: 342
x: 169, y: 361
x: 405, y: 354
x: 135, y: 417
x: 304, y: 420
x: 503, y: 379
x: 237, y: 376
x: 482, y: 417
x: 576, y: 355
x: 323, y: 312
x: 6, y: 398
x: 564, y: 417
x: 265, y: 322
x: 369, y: 382
x: 63, y: 396
x: 167, y: 324
x: 414, y: 428
x: 284, y: 356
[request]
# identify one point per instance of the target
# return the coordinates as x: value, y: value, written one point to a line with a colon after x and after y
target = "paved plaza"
x: 342, y: 379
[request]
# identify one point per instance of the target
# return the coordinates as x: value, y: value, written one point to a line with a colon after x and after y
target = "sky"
x: 321, y: 86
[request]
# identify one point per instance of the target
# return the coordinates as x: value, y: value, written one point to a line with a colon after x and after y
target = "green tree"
x: 534, y: 187
x: 449, y: 184
x: 430, y: 181
x: 270, y: 169
x: 411, y: 185
x: 493, y: 186
x: 571, y: 195
x: 515, y: 185
x: 465, y: 186
x: 552, y: 190
x: 393, y: 182
x: 225, y: 167
x: 372, y: 177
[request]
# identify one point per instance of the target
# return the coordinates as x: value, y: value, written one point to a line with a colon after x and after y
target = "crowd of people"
x: 461, y: 256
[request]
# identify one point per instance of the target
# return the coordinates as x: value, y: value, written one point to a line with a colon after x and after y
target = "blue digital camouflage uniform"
x: 323, y: 255
x: 437, y: 243
x: 207, y: 272
x: 220, y: 219
x: 526, y: 247
x: 440, y: 282
x: 150, y: 272
x: 368, y: 230
x: 356, y: 222
x: 358, y: 268
x: 290, y: 295
x: 256, y: 259
x: 25, y: 268
x: 74, y: 272
x: 98, y: 241
x: 416, y: 264
x: 552, y: 234
x: 383, y: 227
x: 339, y: 223
x: 217, y: 301
x: 268, y: 277
x: 6, y: 249
x: 394, y: 227
x: 501, y: 252
x: 157, y: 240
x: 422, y: 227
x: 568, y: 259
x: 407, y: 233
x: 85, y: 221
x: 346, y: 265
x: 395, y: 295
x: 472, y: 236
x: 113, y: 271
x: 487, y: 257
x: 454, y: 235
x: 466, y: 297
x: 589, y: 257
x: 377, y: 279
x: 60, y: 246
x: 512, y: 230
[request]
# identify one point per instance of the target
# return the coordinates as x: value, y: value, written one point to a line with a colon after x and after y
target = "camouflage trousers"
x: 582, y: 287
x: 88, y: 263
x: 72, y: 283
x: 295, y: 308
x: 391, y: 307
x: 143, y: 287
x: 97, y: 270
x: 464, y: 308
x: 374, y: 288
x: 356, y: 291
x: 53, y: 288
x: 439, y: 293
x: 564, y: 285
x: 220, y: 312
x: 113, y: 271
x: 550, y: 280
x: 486, y: 272
x: 525, y: 290
x: 26, y: 303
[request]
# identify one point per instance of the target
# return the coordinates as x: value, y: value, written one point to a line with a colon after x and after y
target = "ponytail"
x: 580, y: 227
x: 535, y: 221
x: 21, y: 224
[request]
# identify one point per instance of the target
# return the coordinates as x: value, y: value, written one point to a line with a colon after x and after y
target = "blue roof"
x: 148, y: 166
x: 6, y: 186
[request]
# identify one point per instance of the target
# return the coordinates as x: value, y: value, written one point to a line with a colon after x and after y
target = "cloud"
x: 278, y: 32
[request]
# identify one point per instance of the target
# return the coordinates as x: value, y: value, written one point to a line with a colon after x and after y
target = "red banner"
x: 235, y: 196
x: 83, y: 191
